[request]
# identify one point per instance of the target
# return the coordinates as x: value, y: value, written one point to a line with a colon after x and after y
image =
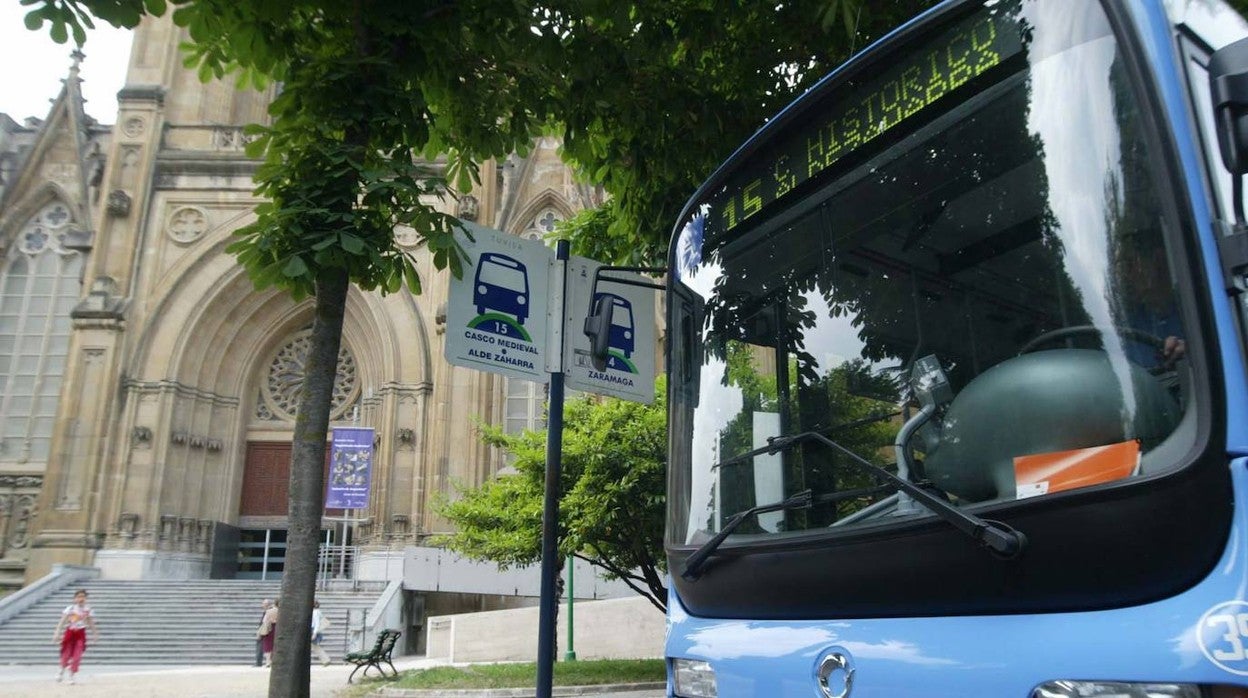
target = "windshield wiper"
x: 1001, y: 539
x: 694, y: 563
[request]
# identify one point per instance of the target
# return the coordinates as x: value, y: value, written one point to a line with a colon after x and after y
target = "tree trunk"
x: 291, y: 657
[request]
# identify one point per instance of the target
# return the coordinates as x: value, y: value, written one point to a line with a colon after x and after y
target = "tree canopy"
x: 648, y: 96
x: 611, y: 511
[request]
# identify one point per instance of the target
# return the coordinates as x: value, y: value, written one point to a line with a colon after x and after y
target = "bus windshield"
x: 987, y: 204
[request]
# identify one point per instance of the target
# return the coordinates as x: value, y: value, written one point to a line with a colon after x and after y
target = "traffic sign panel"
x: 630, y: 368
x: 496, y: 312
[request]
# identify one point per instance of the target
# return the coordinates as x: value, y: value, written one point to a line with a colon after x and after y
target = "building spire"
x: 77, y: 55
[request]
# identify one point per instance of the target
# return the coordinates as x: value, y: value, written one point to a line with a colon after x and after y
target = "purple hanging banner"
x: 350, y: 468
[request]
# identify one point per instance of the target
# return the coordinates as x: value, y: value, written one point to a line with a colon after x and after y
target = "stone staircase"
x: 170, y: 622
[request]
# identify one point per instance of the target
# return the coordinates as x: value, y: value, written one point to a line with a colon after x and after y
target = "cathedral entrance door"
x: 262, y: 510
x: 262, y: 515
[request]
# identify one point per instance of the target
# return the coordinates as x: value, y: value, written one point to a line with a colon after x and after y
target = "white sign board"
x: 496, y: 317
x: 630, y: 369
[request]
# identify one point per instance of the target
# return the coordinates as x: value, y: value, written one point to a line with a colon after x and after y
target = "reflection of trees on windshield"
x: 848, y: 403
x: 1026, y: 207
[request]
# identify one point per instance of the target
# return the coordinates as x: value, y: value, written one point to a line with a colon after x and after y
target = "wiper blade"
x: 998, y: 537
x: 1001, y: 539
x: 694, y: 563
x: 802, y: 500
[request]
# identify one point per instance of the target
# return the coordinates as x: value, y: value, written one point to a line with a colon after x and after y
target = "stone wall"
x: 610, y: 629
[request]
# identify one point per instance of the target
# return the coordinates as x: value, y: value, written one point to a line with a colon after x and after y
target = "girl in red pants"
x: 75, y: 620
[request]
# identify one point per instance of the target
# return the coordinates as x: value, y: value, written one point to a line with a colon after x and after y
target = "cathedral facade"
x: 147, y: 390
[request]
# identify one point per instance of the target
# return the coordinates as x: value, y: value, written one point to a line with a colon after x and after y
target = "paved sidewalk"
x: 173, y: 682
x: 146, y: 682
x: 199, y: 681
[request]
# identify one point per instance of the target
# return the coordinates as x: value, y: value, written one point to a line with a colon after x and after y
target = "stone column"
x: 72, y: 524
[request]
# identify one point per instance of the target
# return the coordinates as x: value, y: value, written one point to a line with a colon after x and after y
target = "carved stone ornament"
x: 168, y: 531
x: 227, y: 138
x: 406, y: 237
x: 118, y: 204
x: 469, y: 208
x: 400, y: 525
x: 406, y: 437
x: 133, y: 127
x: 128, y: 525
x: 439, y: 319
x: 187, y: 224
x: 20, y: 481
x: 141, y: 437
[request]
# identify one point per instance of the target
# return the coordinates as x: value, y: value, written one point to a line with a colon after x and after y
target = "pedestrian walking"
x: 71, y: 632
x: 265, y: 605
x: 319, y: 623
x: 267, y: 631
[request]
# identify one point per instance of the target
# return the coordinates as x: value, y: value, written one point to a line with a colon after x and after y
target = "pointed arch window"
x: 543, y: 224
x: 39, y: 286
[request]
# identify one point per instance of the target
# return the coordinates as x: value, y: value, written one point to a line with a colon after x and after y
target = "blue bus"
x: 501, y: 284
x: 957, y: 391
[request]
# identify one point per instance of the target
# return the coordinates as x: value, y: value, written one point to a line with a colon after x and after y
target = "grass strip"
x: 522, y: 675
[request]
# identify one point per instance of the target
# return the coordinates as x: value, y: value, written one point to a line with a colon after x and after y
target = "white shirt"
x: 76, y: 616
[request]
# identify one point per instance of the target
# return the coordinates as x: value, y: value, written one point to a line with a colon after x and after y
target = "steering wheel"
x: 1065, y: 332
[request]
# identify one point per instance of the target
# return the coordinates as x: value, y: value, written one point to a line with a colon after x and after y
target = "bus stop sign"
x: 496, y: 313
x: 630, y: 369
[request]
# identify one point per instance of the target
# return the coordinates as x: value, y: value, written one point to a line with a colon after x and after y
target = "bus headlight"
x: 520, y: 300
x: 693, y: 678
x: 1119, y: 689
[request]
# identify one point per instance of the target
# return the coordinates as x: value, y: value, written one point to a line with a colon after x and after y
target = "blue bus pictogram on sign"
x: 502, y: 285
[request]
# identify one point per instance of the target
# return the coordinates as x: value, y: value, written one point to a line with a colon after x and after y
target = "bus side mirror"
x: 598, y: 329
x: 1228, y: 87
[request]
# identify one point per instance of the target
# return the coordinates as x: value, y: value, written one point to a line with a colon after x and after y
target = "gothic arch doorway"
x: 263, y: 497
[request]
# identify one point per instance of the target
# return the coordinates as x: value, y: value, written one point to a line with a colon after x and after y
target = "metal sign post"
x: 550, y: 503
x: 495, y: 323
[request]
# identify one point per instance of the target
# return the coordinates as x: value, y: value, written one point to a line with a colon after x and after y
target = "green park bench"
x: 381, y: 651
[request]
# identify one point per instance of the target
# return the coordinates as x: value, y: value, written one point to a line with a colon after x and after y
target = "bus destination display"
x: 856, y: 117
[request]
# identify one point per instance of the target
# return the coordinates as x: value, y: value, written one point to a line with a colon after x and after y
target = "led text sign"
x: 860, y: 114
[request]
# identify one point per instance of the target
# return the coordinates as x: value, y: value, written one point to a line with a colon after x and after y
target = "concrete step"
x: 200, y: 622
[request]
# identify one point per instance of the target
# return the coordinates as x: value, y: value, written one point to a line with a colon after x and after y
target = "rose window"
x: 280, y: 393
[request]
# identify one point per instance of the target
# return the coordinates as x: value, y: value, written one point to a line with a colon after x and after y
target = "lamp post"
x: 570, y: 655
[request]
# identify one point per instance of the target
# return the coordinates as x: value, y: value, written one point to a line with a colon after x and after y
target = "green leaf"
x: 34, y: 19
x: 351, y: 243
x: 295, y: 268
x: 412, y: 276
x: 59, y: 31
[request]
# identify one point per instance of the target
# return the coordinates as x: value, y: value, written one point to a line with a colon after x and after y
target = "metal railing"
x: 335, y: 565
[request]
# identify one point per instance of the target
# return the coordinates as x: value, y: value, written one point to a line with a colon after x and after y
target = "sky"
x: 32, y: 67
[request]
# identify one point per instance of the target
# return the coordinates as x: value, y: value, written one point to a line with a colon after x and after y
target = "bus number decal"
x: 1223, y: 636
